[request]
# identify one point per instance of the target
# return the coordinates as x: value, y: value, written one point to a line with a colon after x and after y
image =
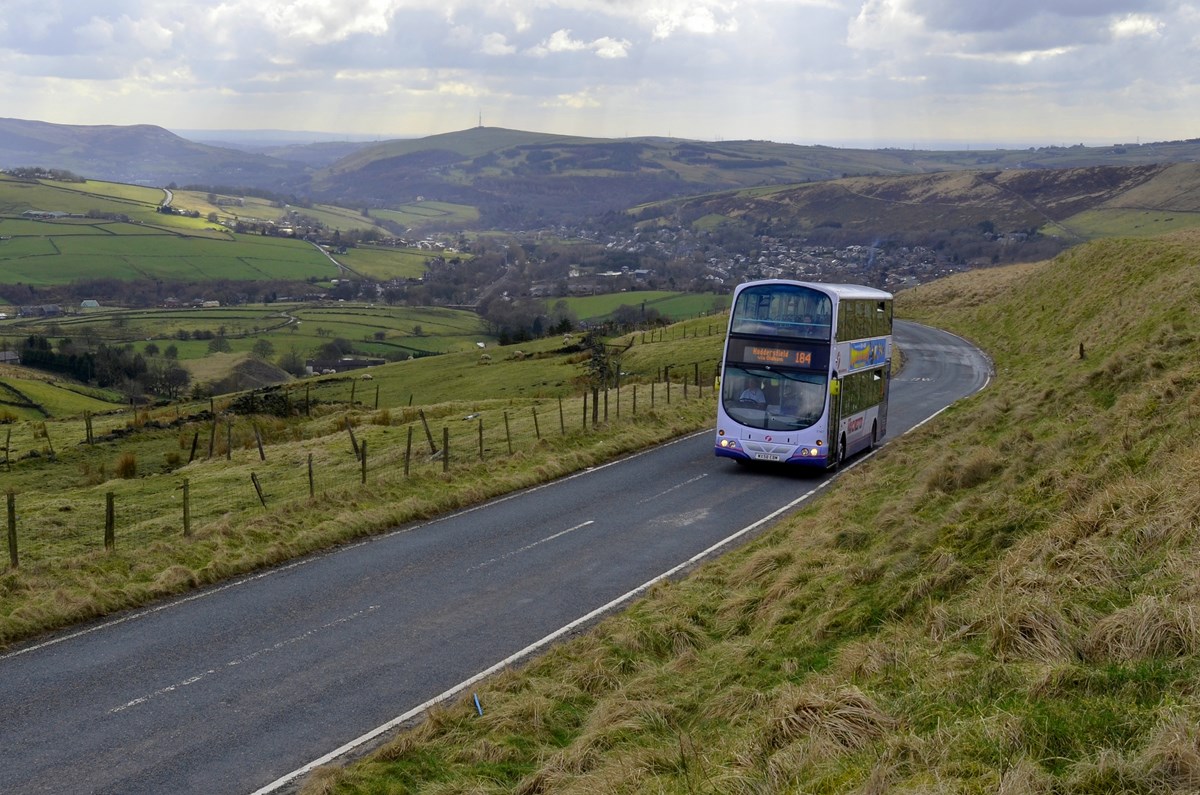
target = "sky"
x: 907, y: 73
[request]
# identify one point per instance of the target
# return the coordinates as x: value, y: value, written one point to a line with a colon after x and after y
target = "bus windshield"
x: 782, y: 310
x: 773, y: 399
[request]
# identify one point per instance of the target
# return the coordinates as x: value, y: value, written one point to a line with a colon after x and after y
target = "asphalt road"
x: 239, y: 688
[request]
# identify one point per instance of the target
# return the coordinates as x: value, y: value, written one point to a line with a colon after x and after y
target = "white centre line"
x: 527, y: 547
x: 162, y: 691
x: 688, y: 482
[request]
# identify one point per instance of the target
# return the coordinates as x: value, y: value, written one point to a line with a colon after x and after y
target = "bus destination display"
x: 779, y: 354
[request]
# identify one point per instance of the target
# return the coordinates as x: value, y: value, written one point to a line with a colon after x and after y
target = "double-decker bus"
x: 805, y: 375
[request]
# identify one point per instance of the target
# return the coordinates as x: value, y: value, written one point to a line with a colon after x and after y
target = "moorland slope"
x: 1066, y: 205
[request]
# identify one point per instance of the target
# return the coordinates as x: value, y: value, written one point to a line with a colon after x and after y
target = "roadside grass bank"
x: 1004, y: 600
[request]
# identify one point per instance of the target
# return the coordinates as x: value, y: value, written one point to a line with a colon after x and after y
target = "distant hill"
x: 140, y: 154
x: 1070, y: 204
x: 515, y: 178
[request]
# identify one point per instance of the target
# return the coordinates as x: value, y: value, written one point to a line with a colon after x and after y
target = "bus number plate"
x: 767, y: 457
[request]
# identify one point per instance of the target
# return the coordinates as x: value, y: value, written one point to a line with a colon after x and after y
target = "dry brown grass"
x: 1172, y: 756
x: 834, y: 721
x: 1025, y: 778
x: 1029, y: 625
x: 1153, y: 626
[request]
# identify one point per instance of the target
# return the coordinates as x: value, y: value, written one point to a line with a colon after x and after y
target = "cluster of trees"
x: 109, y: 366
x: 36, y: 172
x: 147, y: 292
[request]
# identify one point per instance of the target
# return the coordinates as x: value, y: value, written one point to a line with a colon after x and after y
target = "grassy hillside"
x: 524, y: 407
x: 1004, y: 600
x: 115, y: 232
x: 29, y: 395
x: 1069, y: 204
x: 669, y: 304
x: 392, y: 332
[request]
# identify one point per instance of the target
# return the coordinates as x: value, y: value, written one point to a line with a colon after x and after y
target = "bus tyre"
x: 874, y: 436
x: 841, y: 450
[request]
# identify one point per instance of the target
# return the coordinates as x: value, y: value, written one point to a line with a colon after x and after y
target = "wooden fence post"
x: 312, y: 492
x: 445, y: 448
x: 187, y: 510
x: 195, y: 439
x: 110, y: 522
x: 353, y: 441
x: 258, y: 489
x: 258, y: 438
x: 428, y: 433
x: 229, y: 440
x: 408, y: 451
x: 12, y: 530
x: 364, y: 462
x: 377, y: 397
x: 353, y: 385
x: 481, y: 438
x: 507, y: 435
x: 537, y: 431
x: 562, y: 423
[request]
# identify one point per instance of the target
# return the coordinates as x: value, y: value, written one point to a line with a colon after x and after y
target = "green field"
x: 418, y: 214
x: 670, y: 305
x: 383, y: 264
x: 1122, y: 222
x: 152, y: 245
x: 164, y: 257
x: 375, y: 330
x: 30, y: 396
x: 253, y: 208
x: 138, y: 203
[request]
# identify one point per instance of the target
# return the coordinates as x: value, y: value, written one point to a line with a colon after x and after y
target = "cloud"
x: 1132, y: 25
x: 695, y: 20
x: 561, y: 41
x: 811, y: 70
x: 576, y: 101
x: 496, y: 44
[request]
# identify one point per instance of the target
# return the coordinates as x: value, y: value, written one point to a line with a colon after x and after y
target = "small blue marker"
x: 478, y: 708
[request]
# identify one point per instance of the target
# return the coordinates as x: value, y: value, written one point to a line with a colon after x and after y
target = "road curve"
x: 241, y: 687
